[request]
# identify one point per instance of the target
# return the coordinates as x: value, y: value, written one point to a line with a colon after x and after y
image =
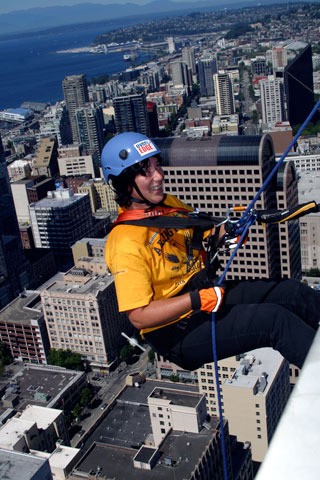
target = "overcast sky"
x: 11, y: 5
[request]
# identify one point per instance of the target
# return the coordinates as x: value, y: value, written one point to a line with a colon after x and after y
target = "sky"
x: 12, y: 5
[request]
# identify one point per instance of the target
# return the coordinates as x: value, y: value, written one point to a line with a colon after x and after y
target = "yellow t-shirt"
x: 150, y: 263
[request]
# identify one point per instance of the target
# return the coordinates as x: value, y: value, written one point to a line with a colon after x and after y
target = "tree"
x: 65, y: 358
x: 151, y: 356
x: 127, y: 353
x: 5, y: 354
x: 76, y: 411
x: 85, y: 396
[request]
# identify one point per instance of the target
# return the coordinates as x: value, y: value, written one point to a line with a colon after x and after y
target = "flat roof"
x: 180, y: 450
x: 176, y: 397
x: 48, y: 380
x: 253, y: 366
x: 15, y: 465
x: 22, y: 309
x: 93, y: 285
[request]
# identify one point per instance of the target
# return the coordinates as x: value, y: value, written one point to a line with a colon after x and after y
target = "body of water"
x: 33, y: 71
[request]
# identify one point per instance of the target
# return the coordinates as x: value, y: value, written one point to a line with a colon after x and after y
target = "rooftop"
x: 176, y: 397
x: 15, y: 465
x: 48, y: 380
x: 22, y: 309
x: 257, y: 369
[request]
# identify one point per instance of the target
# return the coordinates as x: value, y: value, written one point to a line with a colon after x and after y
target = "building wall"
x: 84, y: 317
x: 217, y: 173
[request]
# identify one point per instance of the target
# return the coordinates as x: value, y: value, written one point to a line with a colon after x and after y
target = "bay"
x: 32, y: 70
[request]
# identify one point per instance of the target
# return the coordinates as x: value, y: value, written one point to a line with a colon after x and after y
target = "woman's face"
x: 150, y: 182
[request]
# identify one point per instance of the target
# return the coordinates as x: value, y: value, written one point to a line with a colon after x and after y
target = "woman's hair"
x: 123, y: 184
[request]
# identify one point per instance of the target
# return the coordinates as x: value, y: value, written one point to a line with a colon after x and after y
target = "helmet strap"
x: 142, y: 199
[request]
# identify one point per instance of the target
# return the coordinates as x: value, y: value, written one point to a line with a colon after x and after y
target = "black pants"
x: 255, y: 313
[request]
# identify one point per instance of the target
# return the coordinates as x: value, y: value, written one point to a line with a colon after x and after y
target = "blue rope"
x: 247, y: 219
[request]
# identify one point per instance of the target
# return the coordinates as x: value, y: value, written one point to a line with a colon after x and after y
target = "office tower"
x: 272, y: 100
x: 309, y: 187
x: 216, y: 173
x: 254, y: 391
x: 287, y: 197
x: 259, y: 66
x: 14, y: 268
x: 46, y: 160
x: 131, y: 114
x: 207, y: 67
x: 61, y: 219
x: 188, y: 57
x: 279, y: 57
x: 180, y: 74
x: 100, y: 193
x: 78, y: 164
x: 23, y: 329
x: 171, y: 44
x: 90, y: 127
x: 75, y: 92
x: 88, y: 322
x: 224, y: 94
x: 55, y: 122
x: 88, y: 254
x: 19, y: 169
x: 153, y: 118
x: 298, y: 82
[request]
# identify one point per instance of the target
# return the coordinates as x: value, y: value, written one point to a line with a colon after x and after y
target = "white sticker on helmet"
x: 144, y: 147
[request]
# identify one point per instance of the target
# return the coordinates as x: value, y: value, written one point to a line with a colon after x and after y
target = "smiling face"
x: 149, y: 181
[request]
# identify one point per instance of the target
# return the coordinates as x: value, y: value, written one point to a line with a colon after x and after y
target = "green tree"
x: 76, y: 412
x: 66, y: 359
x: 5, y: 354
x: 151, y: 355
x: 127, y: 353
x: 85, y: 396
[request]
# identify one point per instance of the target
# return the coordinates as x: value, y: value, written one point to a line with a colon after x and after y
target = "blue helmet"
x: 124, y: 150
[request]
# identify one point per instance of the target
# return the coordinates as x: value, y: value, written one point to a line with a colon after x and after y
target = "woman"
x: 160, y: 282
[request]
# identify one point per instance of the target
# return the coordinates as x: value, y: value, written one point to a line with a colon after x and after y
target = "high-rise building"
x: 88, y: 322
x: 207, y: 67
x: 46, y: 160
x: 55, y: 122
x: 131, y: 114
x: 23, y: 329
x: 181, y: 75
x: 171, y: 44
x: 61, y: 219
x: 216, y: 173
x: 298, y: 82
x: 188, y: 57
x: 272, y: 100
x: 254, y: 390
x: 279, y: 57
x: 90, y: 127
x: 75, y: 92
x: 14, y: 268
x: 153, y: 118
x: 224, y: 94
x: 100, y: 193
x: 259, y: 66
